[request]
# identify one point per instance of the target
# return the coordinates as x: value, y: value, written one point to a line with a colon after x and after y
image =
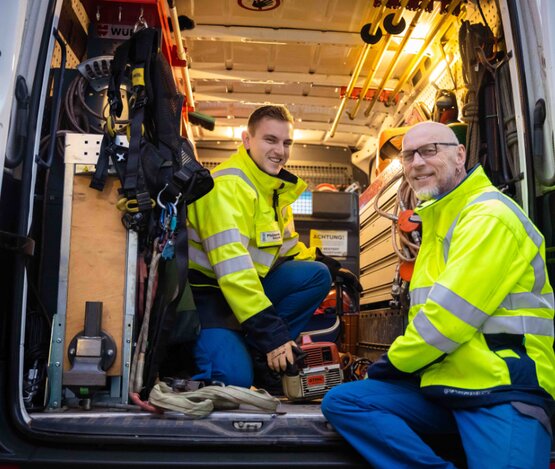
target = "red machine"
x: 316, y: 371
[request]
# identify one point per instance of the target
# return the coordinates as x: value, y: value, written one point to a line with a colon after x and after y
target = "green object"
x: 205, y: 121
x: 460, y: 131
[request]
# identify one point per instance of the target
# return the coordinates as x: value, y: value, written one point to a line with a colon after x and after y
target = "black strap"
x: 164, y: 313
x: 143, y: 201
x: 134, y: 155
x: 117, y: 68
x: 143, y: 43
x: 182, y: 250
x: 101, y: 172
x: 144, y: 52
x: 16, y: 243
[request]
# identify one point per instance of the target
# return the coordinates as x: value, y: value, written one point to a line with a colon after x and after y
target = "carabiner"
x: 158, y: 199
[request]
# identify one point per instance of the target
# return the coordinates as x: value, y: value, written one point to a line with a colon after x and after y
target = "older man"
x: 477, y: 355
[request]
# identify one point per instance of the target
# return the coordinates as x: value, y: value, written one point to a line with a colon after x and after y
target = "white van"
x: 354, y: 74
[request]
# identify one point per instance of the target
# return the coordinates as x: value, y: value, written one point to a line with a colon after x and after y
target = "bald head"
x: 433, y: 160
x: 429, y: 132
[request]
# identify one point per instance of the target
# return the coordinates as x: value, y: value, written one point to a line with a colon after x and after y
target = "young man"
x: 477, y: 356
x: 254, y: 283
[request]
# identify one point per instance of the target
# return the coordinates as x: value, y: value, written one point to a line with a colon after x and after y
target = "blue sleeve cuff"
x: 265, y: 330
x: 384, y: 369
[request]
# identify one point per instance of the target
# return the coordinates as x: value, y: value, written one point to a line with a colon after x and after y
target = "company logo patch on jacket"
x: 270, y: 237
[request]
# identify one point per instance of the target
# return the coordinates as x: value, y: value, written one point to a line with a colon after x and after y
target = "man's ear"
x: 245, y: 137
x: 461, y: 155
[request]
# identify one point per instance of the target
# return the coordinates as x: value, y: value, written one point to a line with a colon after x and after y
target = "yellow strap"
x: 110, y: 126
x: 131, y: 205
x: 138, y: 77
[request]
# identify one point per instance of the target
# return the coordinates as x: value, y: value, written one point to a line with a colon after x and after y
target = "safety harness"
x: 159, y: 176
x: 158, y: 161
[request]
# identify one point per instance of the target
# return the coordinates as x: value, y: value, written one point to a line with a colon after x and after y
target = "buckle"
x: 134, y: 221
x: 138, y: 99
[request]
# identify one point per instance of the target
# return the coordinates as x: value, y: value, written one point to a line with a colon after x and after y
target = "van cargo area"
x: 354, y: 74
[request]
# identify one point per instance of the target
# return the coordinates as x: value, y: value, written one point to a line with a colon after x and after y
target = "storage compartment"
x: 98, y: 263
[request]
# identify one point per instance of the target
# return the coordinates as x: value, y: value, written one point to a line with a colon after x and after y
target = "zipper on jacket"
x: 275, y: 199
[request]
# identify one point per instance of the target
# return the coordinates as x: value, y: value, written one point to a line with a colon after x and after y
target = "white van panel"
x: 535, y: 18
x: 546, y: 40
x: 12, y: 24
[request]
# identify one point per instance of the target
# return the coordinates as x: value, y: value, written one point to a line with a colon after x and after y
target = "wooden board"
x: 97, y: 259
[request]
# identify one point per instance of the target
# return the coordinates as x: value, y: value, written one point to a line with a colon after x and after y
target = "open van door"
x: 354, y: 80
x: 533, y: 43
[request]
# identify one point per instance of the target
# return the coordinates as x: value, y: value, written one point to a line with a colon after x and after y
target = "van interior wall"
x: 315, y: 164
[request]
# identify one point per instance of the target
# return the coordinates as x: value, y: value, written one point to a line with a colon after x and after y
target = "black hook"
x: 370, y: 38
x: 392, y: 28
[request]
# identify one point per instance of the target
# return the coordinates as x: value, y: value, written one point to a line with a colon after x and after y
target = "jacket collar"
x: 283, y: 182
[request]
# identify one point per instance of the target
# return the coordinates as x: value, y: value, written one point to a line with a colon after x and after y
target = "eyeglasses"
x: 425, y: 151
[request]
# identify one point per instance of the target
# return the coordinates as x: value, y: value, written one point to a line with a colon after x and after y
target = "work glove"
x: 345, y: 275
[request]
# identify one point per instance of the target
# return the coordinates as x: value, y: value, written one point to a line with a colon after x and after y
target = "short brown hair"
x: 279, y: 113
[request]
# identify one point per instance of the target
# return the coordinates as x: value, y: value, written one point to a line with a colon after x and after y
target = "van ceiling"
x: 303, y: 53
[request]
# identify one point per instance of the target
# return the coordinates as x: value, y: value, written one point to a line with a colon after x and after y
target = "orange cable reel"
x: 406, y: 269
x: 405, y: 223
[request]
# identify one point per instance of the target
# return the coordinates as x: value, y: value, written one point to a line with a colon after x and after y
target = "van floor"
x: 293, y: 423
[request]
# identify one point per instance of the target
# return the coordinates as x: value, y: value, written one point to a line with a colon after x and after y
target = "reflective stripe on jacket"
x: 241, y: 228
x: 481, y: 315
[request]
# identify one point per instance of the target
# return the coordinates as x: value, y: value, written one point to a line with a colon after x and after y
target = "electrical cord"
x: 404, y: 246
x: 472, y: 77
x: 77, y: 115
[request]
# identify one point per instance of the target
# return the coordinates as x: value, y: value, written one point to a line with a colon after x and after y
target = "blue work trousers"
x: 296, y: 289
x: 383, y: 421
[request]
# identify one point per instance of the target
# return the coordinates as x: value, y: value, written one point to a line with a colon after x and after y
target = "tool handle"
x: 299, y: 355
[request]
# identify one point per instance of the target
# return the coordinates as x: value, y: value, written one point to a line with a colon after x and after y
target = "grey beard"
x: 427, y: 194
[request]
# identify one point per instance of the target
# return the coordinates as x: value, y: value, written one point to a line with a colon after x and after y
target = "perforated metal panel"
x: 313, y: 174
x: 71, y: 59
x: 318, y: 174
x: 81, y: 14
x: 473, y: 15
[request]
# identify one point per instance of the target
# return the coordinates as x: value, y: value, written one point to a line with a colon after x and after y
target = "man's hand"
x: 279, y: 357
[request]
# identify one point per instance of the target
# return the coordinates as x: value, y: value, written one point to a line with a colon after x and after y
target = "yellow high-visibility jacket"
x: 481, y: 316
x: 238, y: 231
